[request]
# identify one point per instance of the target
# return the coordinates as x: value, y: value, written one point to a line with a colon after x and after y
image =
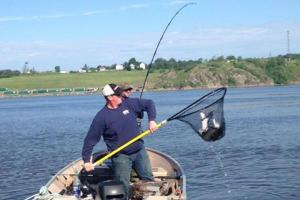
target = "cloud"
x: 7, y: 19
x: 255, y: 41
x: 177, y: 2
x: 218, y: 36
x: 121, y: 8
x: 32, y: 18
x: 133, y: 6
x: 96, y: 12
x: 239, y: 41
x: 91, y: 13
x: 59, y: 16
x: 85, y: 13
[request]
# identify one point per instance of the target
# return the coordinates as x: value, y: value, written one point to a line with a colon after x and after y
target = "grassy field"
x: 73, y: 80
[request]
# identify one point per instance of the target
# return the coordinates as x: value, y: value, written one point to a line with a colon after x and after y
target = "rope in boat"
x: 43, y: 195
x: 32, y: 196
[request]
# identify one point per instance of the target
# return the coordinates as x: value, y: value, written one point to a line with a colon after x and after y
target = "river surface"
x: 259, y: 157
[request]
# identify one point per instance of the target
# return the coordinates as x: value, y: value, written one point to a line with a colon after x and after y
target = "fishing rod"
x: 150, y: 65
x: 176, y: 116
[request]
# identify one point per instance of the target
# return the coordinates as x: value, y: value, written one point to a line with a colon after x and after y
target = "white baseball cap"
x: 112, y: 89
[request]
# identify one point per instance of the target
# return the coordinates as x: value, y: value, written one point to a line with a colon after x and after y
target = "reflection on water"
x: 257, y: 159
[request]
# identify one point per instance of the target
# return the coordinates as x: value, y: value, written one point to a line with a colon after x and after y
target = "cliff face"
x: 214, y: 77
x: 228, y: 71
x: 227, y: 77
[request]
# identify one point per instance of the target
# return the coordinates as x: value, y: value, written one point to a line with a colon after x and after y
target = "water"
x: 257, y: 159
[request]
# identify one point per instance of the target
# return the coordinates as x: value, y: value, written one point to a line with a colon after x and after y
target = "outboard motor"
x: 112, y: 190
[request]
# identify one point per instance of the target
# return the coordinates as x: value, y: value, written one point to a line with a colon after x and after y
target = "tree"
x: 126, y: 66
x: 6, y: 73
x: 231, y: 57
x: 200, y: 60
x: 160, y: 63
x: 86, y: 68
x: 133, y: 61
x: 113, y: 66
x: 275, y: 68
x: 57, y: 69
x: 93, y: 69
x: 99, y: 67
x: 220, y: 58
x: 32, y: 71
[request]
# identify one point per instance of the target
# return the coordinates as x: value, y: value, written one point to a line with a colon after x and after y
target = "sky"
x: 69, y: 33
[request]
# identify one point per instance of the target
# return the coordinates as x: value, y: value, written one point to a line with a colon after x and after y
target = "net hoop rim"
x: 198, y: 100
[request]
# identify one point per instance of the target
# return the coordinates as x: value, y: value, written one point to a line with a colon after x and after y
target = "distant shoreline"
x: 97, y: 91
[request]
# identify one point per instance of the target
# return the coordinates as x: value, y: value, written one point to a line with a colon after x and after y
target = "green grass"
x: 277, y: 70
x: 73, y: 80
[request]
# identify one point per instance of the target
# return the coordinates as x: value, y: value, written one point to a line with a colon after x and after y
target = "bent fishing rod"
x: 165, y: 30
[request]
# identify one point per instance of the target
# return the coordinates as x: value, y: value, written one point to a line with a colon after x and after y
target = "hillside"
x: 74, y: 80
x: 239, y: 73
x: 165, y: 74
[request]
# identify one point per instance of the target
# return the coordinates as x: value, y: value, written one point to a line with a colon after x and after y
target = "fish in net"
x: 206, y: 115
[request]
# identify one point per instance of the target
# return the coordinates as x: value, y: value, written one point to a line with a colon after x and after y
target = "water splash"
x: 219, y: 158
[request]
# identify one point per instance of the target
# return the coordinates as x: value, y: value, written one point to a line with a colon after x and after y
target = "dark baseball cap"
x: 126, y: 86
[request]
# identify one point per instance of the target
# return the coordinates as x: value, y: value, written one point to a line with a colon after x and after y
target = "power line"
x: 288, y: 41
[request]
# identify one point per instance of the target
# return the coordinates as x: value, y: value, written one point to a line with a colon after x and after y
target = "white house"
x: 63, y: 72
x: 119, y: 67
x: 143, y: 66
x: 132, y: 66
x: 102, y: 69
x: 81, y: 71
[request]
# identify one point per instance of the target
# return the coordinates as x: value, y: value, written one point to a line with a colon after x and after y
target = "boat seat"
x: 159, y: 172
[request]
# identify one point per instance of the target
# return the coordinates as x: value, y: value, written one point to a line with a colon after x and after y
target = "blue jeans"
x: 123, y: 164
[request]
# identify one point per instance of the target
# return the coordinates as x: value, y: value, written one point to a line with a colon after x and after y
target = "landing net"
x: 205, y: 115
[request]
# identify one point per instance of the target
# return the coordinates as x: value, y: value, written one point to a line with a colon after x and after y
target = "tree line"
x: 6, y: 73
x: 275, y: 67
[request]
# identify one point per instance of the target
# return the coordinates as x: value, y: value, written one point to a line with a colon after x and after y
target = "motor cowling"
x: 112, y: 190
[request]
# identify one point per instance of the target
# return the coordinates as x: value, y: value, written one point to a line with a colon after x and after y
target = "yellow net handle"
x: 141, y: 135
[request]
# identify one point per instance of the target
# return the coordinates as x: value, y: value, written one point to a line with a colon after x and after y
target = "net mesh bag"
x: 206, y: 115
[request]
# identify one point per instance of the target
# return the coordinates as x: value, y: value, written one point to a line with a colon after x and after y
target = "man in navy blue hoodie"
x: 116, y: 123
